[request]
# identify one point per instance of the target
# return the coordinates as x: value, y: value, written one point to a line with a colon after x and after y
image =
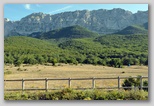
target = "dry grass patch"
x: 71, y: 71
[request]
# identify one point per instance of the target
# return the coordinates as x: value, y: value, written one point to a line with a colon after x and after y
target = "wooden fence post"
x: 141, y: 82
x: 46, y: 84
x: 93, y: 82
x: 118, y: 82
x: 23, y: 85
x: 69, y: 82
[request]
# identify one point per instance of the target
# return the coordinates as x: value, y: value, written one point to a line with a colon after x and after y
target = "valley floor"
x: 69, y: 71
x: 73, y: 71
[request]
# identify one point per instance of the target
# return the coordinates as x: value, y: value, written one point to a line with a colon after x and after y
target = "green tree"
x: 116, y: 62
x: 54, y: 61
x: 146, y: 62
x: 131, y: 82
x: 40, y: 59
x: 18, y: 62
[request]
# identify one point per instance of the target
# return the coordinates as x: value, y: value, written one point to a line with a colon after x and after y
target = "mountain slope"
x: 145, y: 25
x: 27, y: 44
x: 67, y: 32
x: 101, y: 21
x: 133, y: 43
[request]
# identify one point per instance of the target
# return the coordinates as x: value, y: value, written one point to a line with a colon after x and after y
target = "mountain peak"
x: 6, y: 19
x: 38, y: 15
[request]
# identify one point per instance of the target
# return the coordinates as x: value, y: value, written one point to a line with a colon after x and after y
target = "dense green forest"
x: 110, y: 50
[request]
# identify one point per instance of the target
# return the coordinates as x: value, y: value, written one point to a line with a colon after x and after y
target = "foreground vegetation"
x: 69, y: 94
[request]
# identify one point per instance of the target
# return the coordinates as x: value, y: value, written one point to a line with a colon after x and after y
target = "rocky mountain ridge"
x: 101, y: 21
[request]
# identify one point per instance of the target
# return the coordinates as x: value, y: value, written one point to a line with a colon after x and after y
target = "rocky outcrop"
x: 101, y: 21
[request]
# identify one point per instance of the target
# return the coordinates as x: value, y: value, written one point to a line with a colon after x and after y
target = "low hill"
x: 134, y: 29
x: 67, y: 32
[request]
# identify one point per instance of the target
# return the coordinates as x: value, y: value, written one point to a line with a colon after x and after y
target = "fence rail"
x: 46, y: 80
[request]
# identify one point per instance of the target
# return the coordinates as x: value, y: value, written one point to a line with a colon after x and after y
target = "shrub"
x: 19, y: 69
x: 7, y: 72
x: 132, y: 82
x: 69, y: 94
x: 136, y: 95
x: 25, y: 69
x: 54, y: 61
x: 145, y: 83
x: 123, y: 72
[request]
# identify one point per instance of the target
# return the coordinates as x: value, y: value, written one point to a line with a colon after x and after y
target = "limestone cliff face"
x: 101, y: 21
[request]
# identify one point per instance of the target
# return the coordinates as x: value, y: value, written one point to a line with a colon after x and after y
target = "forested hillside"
x: 110, y: 50
x: 67, y: 32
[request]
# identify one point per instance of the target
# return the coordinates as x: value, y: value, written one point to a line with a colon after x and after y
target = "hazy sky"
x: 17, y: 11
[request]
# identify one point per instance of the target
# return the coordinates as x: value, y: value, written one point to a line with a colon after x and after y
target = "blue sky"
x: 17, y: 11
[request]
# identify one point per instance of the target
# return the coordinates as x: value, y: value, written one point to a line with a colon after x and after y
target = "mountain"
x: 101, y: 21
x: 67, y: 32
x: 134, y: 29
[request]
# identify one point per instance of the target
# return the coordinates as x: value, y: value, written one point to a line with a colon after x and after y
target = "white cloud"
x: 61, y: 9
x: 27, y: 6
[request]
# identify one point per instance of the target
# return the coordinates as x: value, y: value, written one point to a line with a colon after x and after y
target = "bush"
x: 69, y: 94
x: 136, y: 95
x: 7, y: 72
x: 19, y: 69
x: 54, y: 61
x: 132, y: 82
x: 18, y: 63
x: 145, y: 83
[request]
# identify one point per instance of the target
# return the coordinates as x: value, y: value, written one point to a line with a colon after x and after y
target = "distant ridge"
x: 134, y: 29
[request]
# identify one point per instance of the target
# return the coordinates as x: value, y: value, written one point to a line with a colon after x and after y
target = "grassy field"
x: 68, y: 71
